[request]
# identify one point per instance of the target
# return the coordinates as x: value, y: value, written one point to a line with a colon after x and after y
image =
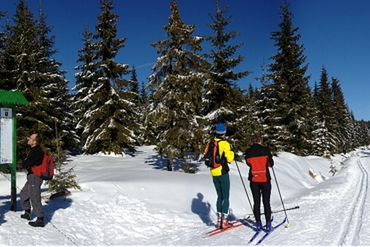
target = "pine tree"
x: 218, y: 102
x: 21, y: 73
x: 173, y: 116
x: 343, y: 117
x: 143, y: 95
x: 110, y: 122
x: 326, y: 109
x: 55, y: 99
x: 2, y: 57
x: 319, y: 132
x: 287, y: 72
x: 86, y: 83
x: 134, y: 87
x: 247, y: 122
x: 266, y: 111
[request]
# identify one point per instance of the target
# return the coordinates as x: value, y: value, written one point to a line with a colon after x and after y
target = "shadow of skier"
x: 202, y: 209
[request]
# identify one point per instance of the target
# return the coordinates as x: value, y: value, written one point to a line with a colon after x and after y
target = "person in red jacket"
x: 31, y: 191
x: 259, y: 158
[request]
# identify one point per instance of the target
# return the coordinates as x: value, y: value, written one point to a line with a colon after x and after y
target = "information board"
x: 6, y: 136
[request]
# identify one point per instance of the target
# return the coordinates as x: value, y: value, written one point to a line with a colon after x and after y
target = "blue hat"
x: 220, y: 129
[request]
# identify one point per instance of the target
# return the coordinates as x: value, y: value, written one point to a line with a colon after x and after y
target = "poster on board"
x: 6, y: 136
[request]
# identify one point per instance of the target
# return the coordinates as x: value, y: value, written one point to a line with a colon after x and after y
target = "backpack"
x: 258, y: 166
x: 212, y: 157
x: 46, y: 170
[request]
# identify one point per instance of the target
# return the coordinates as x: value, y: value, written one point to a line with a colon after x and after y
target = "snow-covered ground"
x: 135, y: 201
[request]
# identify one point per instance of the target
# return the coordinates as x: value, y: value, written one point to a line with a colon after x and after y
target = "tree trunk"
x: 169, y: 161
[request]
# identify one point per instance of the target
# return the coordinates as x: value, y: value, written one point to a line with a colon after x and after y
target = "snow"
x: 133, y: 200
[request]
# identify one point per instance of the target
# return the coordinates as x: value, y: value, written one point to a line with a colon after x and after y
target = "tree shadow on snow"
x: 202, y: 209
x: 160, y: 162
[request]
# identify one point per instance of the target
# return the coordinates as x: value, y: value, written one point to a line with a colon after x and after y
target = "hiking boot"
x: 268, y: 226
x: 26, y: 215
x: 38, y: 223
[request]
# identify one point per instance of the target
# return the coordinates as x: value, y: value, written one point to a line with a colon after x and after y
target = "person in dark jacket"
x: 31, y: 191
x: 259, y: 158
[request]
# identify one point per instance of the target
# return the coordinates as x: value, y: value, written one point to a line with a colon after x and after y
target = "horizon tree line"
x: 190, y: 89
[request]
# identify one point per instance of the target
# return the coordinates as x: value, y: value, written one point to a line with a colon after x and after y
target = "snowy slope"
x: 133, y: 200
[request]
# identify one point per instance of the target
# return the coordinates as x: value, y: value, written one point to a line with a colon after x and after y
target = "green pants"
x: 222, y: 185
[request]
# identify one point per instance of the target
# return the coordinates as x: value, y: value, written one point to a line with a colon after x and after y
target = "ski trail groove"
x: 353, y: 223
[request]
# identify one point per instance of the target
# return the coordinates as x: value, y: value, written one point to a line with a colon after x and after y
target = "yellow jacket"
x: 223, y: 147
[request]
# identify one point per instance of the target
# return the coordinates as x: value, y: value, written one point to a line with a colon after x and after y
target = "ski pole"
x: 241, y: 178
x: 280, y: 210
x: 277, y: 185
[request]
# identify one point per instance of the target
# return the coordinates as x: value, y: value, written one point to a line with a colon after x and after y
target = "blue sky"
x: 335, y: 34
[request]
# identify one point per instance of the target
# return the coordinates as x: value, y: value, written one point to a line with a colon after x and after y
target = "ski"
x: 234, y: 225
x: 255, y: 235
x: 268, y: 233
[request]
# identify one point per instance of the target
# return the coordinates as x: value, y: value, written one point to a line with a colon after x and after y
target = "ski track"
x: 353, y: 223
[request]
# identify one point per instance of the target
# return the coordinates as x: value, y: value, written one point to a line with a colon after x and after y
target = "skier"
x: 31, y: 191
x: 219, y: 172
x: 259, y: 158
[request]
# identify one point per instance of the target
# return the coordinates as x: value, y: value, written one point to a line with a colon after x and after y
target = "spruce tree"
x: 343, y: 117
x: 319, y: 132
x: 173, y: 117
x: 219, y: 104
x: 2, y: 57
x: 21, y: 56
x: 134, y: 87
x: 326, y: 109
x: 110, y: 121
x: 143, y: 95
x: 287, y: 72
x: 55, y: 99
x: 247, y: 122
x: 86, y: 83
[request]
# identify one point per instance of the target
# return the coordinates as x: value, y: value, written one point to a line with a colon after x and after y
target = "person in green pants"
x: 221, y: 156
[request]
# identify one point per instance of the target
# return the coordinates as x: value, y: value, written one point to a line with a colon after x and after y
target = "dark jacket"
x: 34, y: 158
x: 257, y: 150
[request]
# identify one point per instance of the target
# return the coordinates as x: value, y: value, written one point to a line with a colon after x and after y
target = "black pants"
x: 263, y: 189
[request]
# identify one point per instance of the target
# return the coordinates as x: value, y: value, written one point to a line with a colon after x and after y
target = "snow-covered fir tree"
x: 266, y: 112
x: 110, y: 121
x: 222, y: 99
x: 86, y: 83
x: 287, y: 73
x: 134, y: 86
x: 22, y: 59
x: 343, y: 117
x: 319, y: 132
x: 54, y: 89
x: 133, y: 95
x: 6, y: 83
x: 173, y: 116
x: 143, y: 95
x: 325, y: 105
x: 247, y: 120
x: 362, y: 133
x: 2, y: 58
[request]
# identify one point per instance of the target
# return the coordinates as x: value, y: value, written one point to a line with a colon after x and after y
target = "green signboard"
x: 8, y: 135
